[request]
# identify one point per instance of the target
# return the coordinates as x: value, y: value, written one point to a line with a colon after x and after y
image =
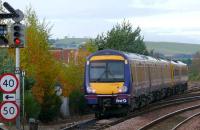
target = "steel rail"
x: 148, y: 108
x: 160, y: 119
x: 184, y: 121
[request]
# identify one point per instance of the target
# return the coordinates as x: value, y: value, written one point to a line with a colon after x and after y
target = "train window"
x: 116, y: 70
x: 97, y: 70
x: 107, y: 71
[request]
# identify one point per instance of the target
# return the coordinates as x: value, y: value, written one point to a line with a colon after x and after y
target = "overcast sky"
x: 159, y: 20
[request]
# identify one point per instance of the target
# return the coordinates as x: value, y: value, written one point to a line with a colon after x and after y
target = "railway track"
x: 185, y: 121
x: 105, y: 123
x: 157, y: 122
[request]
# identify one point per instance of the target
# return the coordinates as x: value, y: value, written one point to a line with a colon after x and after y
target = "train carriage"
x: 116, y: 81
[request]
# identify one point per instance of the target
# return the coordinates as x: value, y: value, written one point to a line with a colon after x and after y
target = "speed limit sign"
x: 8, y: 83
x: 9, y: 111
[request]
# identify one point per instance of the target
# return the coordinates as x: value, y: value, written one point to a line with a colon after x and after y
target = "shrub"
x: 50, y: 107
x: 77, y: 102
x: 32, y: 108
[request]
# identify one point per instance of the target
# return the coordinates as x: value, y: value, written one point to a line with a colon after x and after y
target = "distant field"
x: 171, y: 48
x: 166, y: 48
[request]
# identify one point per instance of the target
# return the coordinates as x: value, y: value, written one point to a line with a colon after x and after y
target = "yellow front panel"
x: 107, y: 57
x: 106, y: 88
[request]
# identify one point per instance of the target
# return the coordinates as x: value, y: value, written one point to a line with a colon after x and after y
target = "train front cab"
x: 107, y: 82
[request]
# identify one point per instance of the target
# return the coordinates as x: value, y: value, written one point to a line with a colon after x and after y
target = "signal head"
x: 18, y: 38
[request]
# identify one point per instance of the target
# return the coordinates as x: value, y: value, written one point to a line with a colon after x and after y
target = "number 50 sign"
x: 8, y: 83
x: 9, y: 111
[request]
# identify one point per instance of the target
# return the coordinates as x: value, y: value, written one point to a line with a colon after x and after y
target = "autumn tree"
x: 122, y: 37
x: 40, y: 65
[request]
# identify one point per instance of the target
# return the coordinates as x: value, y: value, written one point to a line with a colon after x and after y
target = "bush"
x: 194, y: 76
x: 32, y: 108
x: 29, y: 81
x: 50, y: 108
x: 77, y: 102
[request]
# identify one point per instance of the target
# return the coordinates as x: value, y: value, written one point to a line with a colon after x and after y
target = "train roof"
x: 107, y: 52
x: 133, y: 56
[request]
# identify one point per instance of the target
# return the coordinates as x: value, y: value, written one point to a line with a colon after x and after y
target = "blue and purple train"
x: 116, y: 81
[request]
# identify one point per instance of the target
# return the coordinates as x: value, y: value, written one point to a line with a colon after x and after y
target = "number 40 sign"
x: 8, y: 83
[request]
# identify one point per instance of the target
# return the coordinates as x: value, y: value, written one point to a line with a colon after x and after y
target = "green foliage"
x: 122, y: 37
x: 29, y: 82
x: 195, y: 69
x: 40, y: 66
x: 1, y: 97
x: 50, y: 107
x: 6, y: 62
x: 90, y: 46
x: 77, y: 102
x: 32, y: 108
x: 194, y: 76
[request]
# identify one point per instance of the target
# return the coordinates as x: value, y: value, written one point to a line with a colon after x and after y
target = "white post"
x: 65, y: 107
x: 18, y: 89
x: 23, y: 84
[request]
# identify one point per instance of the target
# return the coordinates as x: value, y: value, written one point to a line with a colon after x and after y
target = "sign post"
x: 18, y: 89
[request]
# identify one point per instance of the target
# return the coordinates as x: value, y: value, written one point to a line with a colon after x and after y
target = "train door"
x: 134, y: 77
x: 147, y: 77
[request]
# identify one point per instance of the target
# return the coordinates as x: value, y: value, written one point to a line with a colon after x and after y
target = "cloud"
x: 169, y: 19
x: 181, y: 5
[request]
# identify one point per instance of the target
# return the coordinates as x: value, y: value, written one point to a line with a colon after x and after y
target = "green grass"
x: 172, y: 48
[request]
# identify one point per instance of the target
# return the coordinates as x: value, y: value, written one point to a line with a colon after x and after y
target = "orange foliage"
x: 72, y: 74
x: 40, y: 64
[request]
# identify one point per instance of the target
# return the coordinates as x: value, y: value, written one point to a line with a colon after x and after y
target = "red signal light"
x: 17, y: 41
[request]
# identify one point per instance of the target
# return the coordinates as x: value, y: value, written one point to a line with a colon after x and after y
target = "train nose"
x: 107, y: 88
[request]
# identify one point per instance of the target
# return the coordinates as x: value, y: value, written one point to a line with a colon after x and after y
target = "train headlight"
x: 123, y: 89
x: 90, y: 90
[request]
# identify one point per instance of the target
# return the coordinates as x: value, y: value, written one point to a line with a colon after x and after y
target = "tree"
x: 89, y: 46
x: 35, y: 58
x: 40, y: 66
x: 122, y: 37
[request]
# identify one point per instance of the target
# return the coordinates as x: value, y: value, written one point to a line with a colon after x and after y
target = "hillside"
x: 166, y: 48
x: 71, y: 40
x: 172, y: 48
x: 70, y: 43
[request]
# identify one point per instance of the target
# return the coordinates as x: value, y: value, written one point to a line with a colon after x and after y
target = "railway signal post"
x: 17, y: 42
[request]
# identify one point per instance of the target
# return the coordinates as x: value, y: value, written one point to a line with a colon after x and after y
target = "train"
x: 119, y: 82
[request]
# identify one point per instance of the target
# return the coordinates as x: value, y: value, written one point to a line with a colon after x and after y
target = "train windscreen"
x: 107, y: 71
